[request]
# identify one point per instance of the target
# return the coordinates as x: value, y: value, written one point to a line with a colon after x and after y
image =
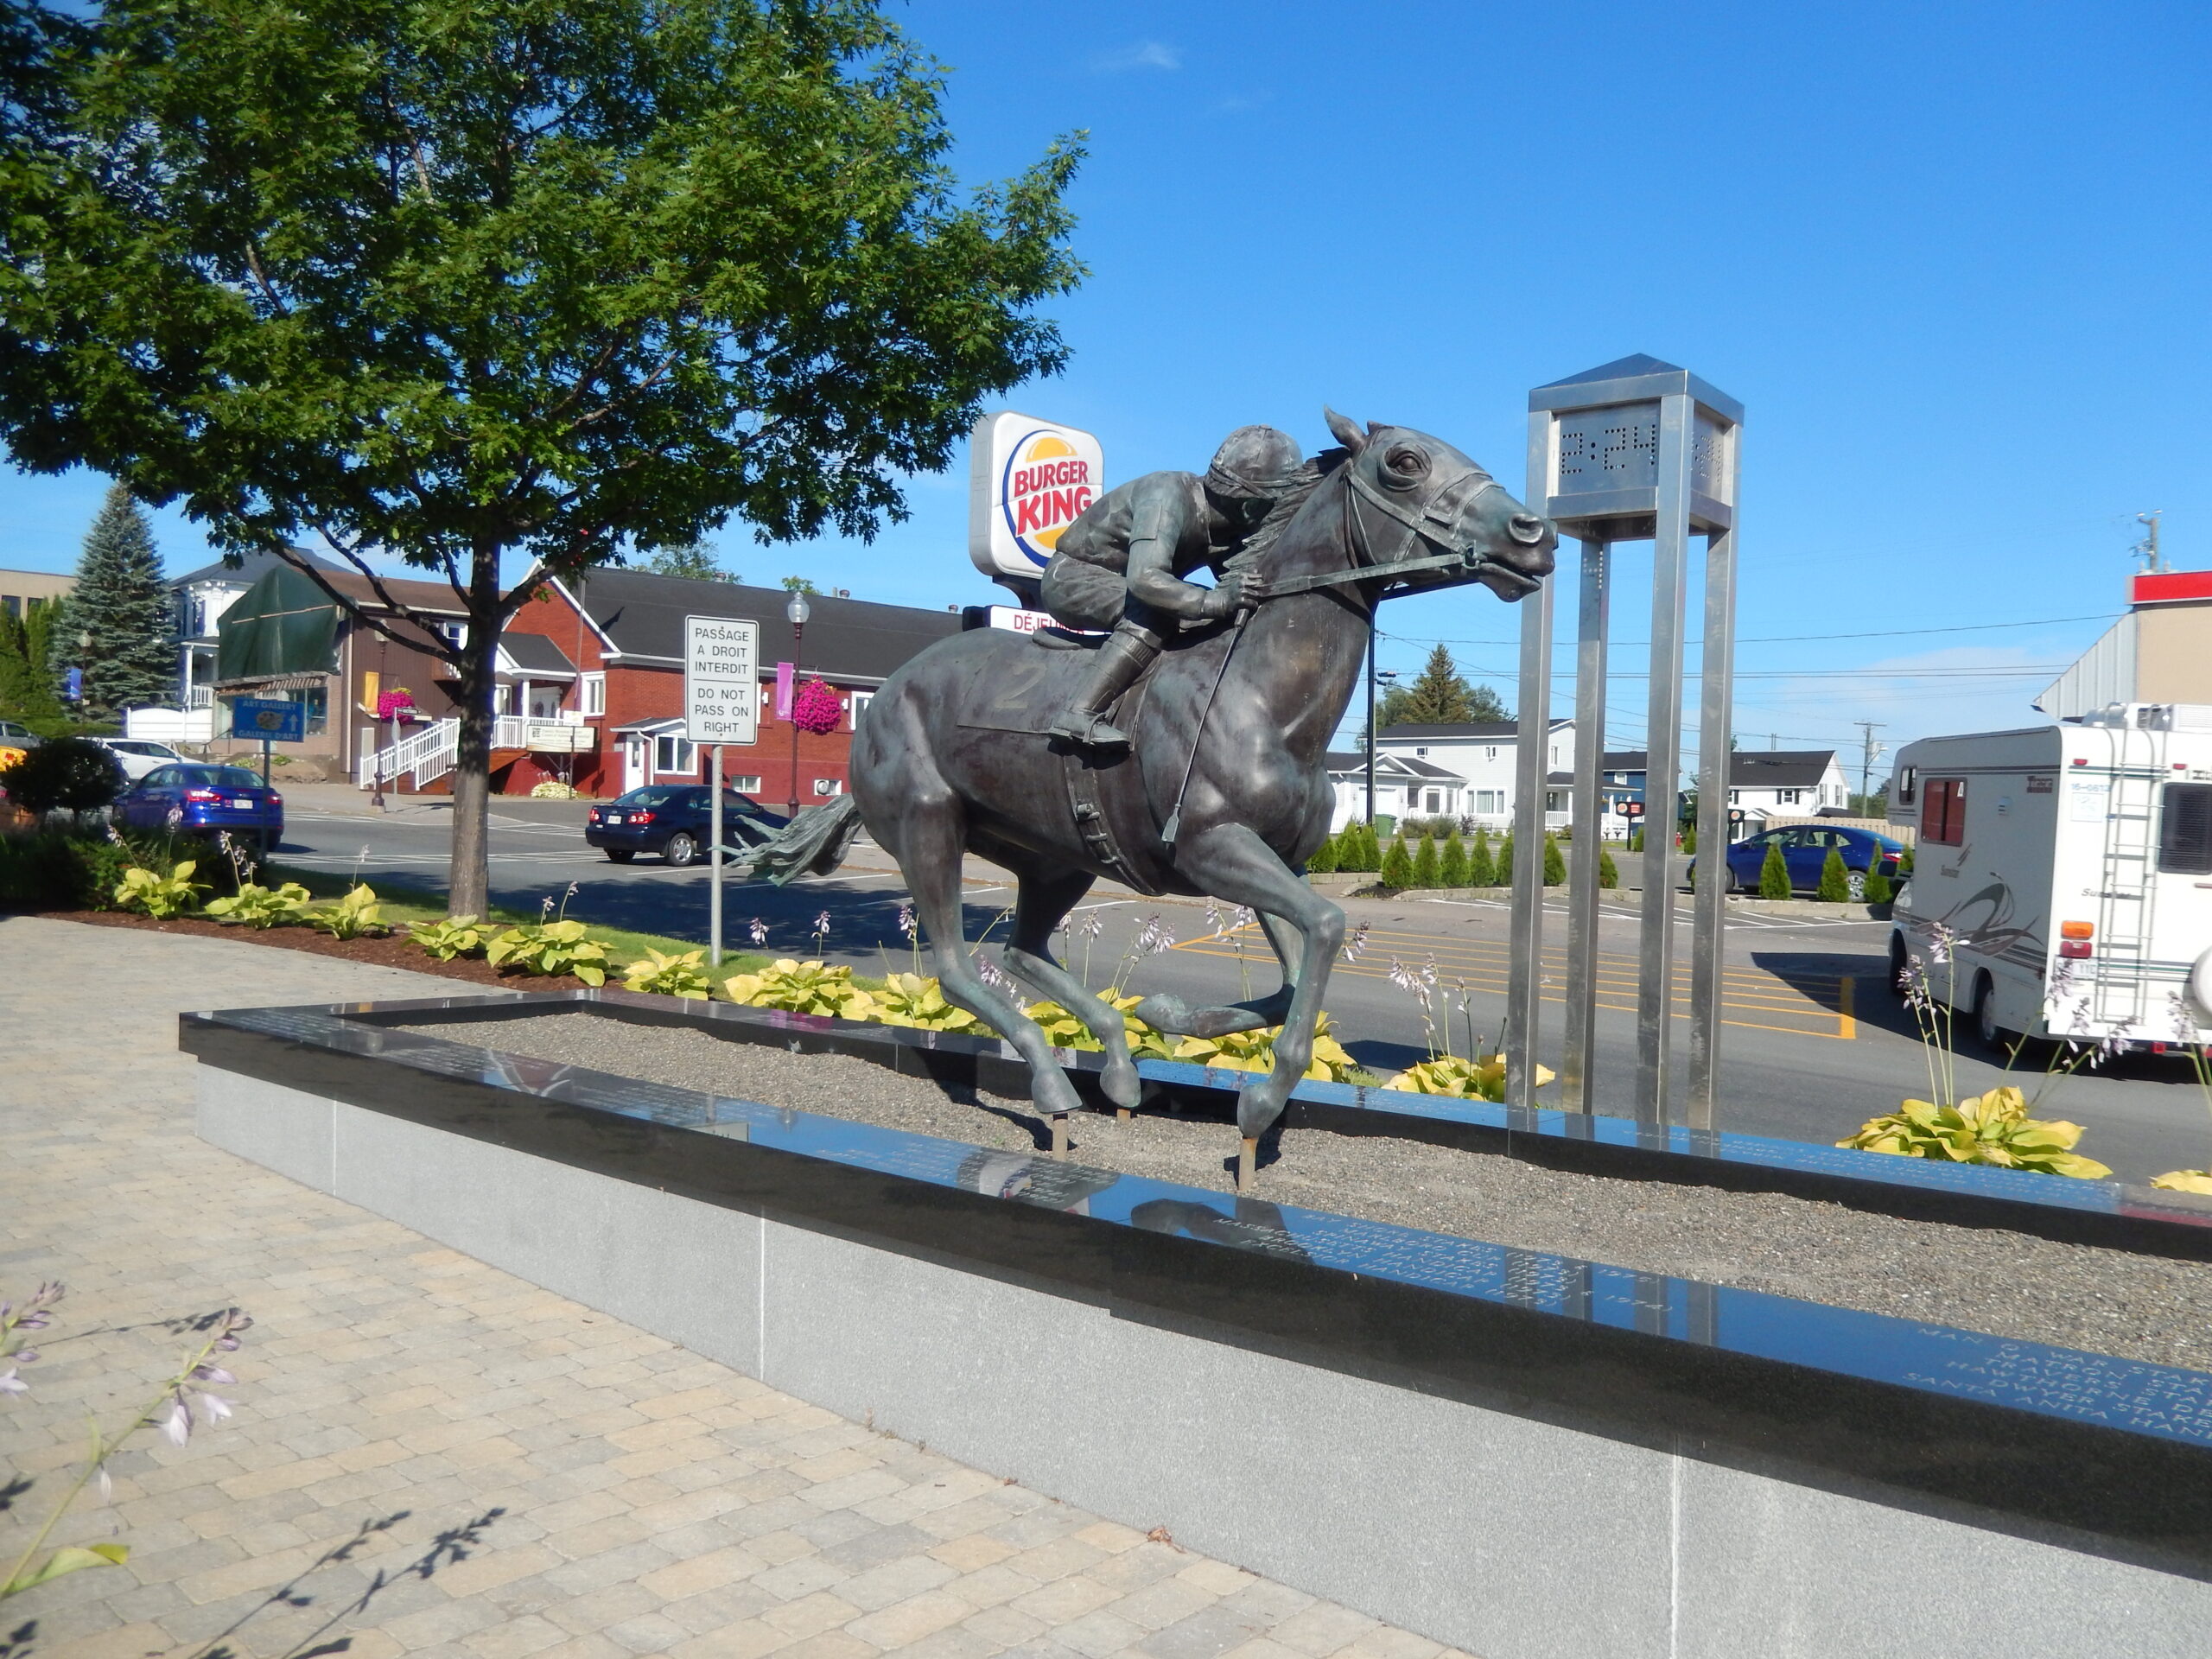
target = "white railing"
x: 428, y: 753
x: 199, y: 696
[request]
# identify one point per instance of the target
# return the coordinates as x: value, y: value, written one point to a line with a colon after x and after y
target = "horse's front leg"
x: 1231, y: 862
x: 1163, y: 1011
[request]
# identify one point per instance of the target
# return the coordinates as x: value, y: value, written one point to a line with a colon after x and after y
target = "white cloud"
x: 1144, y: 54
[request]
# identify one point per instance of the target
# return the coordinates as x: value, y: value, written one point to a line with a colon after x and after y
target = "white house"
x: 1785, y: 783
x: 1482, y: 753
x: 1404, y: 788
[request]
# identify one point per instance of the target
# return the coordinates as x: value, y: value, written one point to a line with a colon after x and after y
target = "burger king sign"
x: 1028, y: 480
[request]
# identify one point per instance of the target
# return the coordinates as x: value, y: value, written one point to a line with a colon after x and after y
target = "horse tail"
x: 813, y: 843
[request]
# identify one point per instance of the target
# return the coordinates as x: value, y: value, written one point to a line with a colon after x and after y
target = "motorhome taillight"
x: 2077, y: 929
x: 2077, y: 949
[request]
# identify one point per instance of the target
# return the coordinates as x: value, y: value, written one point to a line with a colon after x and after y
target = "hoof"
x: 1257, y: 1108
x: 1121, y: 1084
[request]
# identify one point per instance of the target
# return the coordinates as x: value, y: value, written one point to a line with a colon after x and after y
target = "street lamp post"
x: 1387, y: 677
x: 797, y: 610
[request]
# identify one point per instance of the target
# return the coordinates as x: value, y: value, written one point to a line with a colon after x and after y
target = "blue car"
x: 1805, y: 849
x: 205, y: 800
x: 672, y: 820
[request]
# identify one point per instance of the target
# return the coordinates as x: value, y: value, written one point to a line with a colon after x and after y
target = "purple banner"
x: 784, y: 676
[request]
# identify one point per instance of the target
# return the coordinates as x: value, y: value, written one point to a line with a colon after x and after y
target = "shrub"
x: 453, y: 935
x: 1447, y: 1074
x: 70, y: 774
x: 1554, y: 862
x: 1687, y: 839
x: 917, y: 1003
x: 1635, y: 841
x: 1426, y: 871
x: 668, y: 973
x: 549, y: 948
x: 1254, y: 1051
x: 1481, y: 868
x: 257, y: 906
x: 1414, y: 829
x: 1066, y: 1031
x: 1505, y: 860
x: 2184, y: 1180
x: 1358, y: 849
x: 1322, y: 859
x: 1905, y: 864
x: 1609, y: 875
x: 157, y: 895
x: 1878, y: 890
x: 1991, y: 1128
x: 809, y: 987
x: 552, y: 789
x: 1835, y: 881
x: 1451, y: 867
x: 1397, y: 869
x: 1774, y: 874
x: 356, y: 915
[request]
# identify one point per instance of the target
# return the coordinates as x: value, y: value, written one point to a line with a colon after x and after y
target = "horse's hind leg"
x: 1166, y: 1012
x: 932, y: 836
x: 1046, y: 895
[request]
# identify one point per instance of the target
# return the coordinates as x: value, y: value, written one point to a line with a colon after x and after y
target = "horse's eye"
x: 1406, y: 461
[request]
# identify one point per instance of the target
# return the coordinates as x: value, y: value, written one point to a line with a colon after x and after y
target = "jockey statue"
x: 1121, y: 564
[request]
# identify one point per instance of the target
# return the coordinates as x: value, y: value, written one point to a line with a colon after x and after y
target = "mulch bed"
x: 391, y: 951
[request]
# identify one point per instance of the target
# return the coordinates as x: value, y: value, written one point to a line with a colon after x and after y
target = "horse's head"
x: 1415, y: 497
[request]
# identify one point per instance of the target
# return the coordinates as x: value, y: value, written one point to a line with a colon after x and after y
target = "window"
x: 1943, y: 812
x: 829, y: 786
x: 860, y: 701
x: 1490, y: 752
x: 1782, y: 797
x: 746, y: 783
x: 594, y: 694
x: 317, y: 699
x: 1422, y: 752
x: 11, y: 604
x: 1435, y: 802
x: 1907, y: 777
x: 2185, y: 829
x: 1489, y: 800
x: 454, y: 633
x: 674, y: 753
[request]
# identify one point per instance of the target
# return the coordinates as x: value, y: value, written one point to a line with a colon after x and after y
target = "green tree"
x: 1774, y: 874
x: 1505, y: 860
x: 27, y: 680
x: 1609, y: 875
x: 1554, y: 862
x: 1481, y: 868
x: 121, y: 617
x: 1439, y: 696
x: 1397, y: 869
x: 694, y: 561
x: 1835, y: 879
x: 1427, y: 872
x: 800, y: 585
x: 1368, y: 851
x: 1324, y: 859
x: 1878, y: 890
x: 1452, y: 863
x: 492, y: 285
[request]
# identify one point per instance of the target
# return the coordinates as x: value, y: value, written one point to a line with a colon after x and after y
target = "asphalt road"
x: 1813, y: 1043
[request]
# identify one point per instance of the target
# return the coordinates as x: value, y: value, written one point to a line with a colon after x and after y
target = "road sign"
x: 269, y: 718
x: 1631, y: 808
x: 722, y: 679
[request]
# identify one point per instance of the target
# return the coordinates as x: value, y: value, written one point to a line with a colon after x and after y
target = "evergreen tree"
x: 1774, y: 874
x: 1554, y: 862
x: 1452, y: 866
x: 1427, y: 871
x: 693, y: 560
x: 1324, y: 860
x: 1877, y: 891
x: 1371, y: 849
x: 1835, y: 881
x: 1609, y: 875
x: 1505, y: 861
x: 121, y: 603
x: 26, y: 687
x: 1439, y: 696
x: 1481, y: 868
x: 1689, y: 836
x: 1397, y: 869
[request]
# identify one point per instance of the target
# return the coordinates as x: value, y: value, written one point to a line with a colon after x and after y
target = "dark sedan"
x: 1805, y: 849
x: 204, y: 800
x: 671, y: 819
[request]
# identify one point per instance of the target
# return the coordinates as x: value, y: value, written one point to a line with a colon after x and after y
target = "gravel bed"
x: 2004, y: 1283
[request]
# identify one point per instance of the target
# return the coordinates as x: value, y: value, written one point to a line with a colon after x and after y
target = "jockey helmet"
x: 1255, y: 463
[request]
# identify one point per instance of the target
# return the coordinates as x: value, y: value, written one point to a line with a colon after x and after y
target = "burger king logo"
x: 1031, y: 479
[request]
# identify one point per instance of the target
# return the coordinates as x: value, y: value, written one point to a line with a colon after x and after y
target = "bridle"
x: 1432, y: 525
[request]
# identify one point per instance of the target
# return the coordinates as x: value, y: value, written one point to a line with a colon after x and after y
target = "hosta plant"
x: 257, y: 906
x: 451, y: 936
x: 549, y: 948
x: 1068, y: 1032
x: 2185, y: 1181
x: 918, y: 1002
x: 1254, y: 1051
x: 358, y: 915
x: 1991, y: 1128
x: 668, y: 973
x: 809, y: 987
x: 152, y: 894
x: 1447, y: 1074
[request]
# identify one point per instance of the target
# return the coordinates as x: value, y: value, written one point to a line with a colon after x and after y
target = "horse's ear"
x: 1348, y: 432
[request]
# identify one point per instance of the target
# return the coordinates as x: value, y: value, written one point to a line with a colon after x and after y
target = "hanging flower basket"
x: 398, y: 703
x: 816, y: 709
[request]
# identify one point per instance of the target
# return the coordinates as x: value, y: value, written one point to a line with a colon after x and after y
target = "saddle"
x: 1059, y: 639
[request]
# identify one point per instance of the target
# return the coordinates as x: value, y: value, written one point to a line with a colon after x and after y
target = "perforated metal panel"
x: 1709, y: 458
x: 1615, y: 448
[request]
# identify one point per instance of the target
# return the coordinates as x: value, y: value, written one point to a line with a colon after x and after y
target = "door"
x: 1805, y: 852
x: 634, y: 750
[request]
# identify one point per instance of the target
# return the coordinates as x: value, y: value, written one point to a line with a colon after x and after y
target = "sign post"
x: 271, y: 721
x: 722, y: 705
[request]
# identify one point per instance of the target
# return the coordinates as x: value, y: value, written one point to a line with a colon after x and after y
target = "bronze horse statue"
x: 1224, y: 790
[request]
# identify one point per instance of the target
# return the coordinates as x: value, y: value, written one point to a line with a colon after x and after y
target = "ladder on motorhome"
x: 2126, y: 890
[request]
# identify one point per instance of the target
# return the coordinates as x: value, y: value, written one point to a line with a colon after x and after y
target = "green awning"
x: 281, y: 625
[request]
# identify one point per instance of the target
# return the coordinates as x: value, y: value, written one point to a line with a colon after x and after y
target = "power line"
x: 1801, y: 639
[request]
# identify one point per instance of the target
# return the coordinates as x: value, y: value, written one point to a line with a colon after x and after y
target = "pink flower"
x: 816, y: 709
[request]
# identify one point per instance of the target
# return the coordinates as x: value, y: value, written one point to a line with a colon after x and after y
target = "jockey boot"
x: 1119, y: 662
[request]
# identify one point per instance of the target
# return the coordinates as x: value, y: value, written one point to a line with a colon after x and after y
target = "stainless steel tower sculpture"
x: 1634, y: 450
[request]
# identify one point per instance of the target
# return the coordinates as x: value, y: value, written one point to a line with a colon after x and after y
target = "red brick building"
x: 611, y: 648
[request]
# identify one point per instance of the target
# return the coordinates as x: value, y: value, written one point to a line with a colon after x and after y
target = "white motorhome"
x: 2072, y: 868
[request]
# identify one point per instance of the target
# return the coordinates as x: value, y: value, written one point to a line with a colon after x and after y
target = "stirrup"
x: 1092, y: 731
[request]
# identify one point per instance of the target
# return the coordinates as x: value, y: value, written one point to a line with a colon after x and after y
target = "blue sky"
x: 1951, y: 258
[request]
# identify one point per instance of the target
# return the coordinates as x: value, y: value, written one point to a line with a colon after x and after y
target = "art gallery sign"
x: 1028, y: 479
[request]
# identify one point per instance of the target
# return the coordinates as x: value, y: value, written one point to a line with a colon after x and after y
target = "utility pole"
x: 1871, y: 753
x: 2148, y: 548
